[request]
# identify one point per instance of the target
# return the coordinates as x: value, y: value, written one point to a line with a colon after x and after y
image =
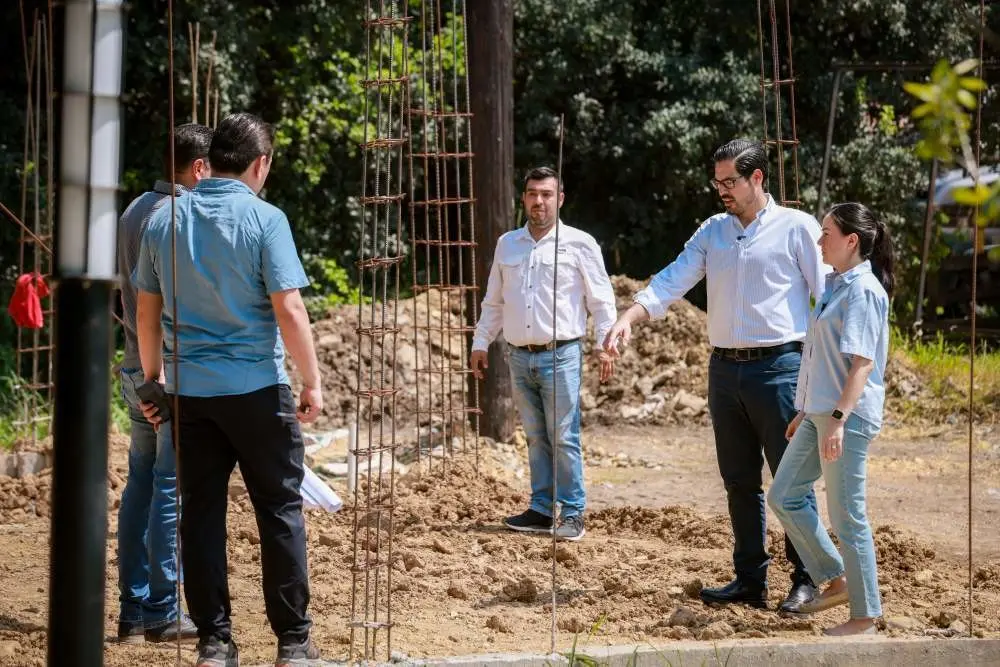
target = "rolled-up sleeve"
x: 600, y: 295
x: 672, y: 283
x: 864, y: 318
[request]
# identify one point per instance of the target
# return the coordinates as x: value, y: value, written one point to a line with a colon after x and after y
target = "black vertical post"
x: 79, y: 475
x: 85, y: 277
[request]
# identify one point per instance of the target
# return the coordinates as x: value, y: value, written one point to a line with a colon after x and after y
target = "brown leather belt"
x: 547, y: 347
x: 755, y: 353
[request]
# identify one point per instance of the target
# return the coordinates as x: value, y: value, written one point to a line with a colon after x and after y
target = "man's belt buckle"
x: 743, y: 354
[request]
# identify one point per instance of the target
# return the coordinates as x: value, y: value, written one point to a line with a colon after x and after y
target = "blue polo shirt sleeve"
x: 865, y: 316
x: 280, y: 262
x: 146, y: 275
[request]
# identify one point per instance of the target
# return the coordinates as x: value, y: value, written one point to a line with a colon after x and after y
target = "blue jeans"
x: 533, y: 378
x: 147, y: 520
x: 751, y: 403
x: 845, y: 491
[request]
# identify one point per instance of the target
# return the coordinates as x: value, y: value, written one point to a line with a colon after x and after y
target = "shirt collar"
x: 163, y: 188
x: 848, y: 277
x: 526, y: 233
x: 769, y: 207
x: 215, y: 184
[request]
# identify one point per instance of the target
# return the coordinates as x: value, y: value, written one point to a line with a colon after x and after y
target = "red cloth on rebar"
x: 26, y: 303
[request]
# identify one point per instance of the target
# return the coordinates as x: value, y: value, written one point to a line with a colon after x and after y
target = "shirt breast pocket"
x: 567, y: 264
x: 512, y: 269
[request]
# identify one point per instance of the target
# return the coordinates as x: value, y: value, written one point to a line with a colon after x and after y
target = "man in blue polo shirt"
x: 237, y: 277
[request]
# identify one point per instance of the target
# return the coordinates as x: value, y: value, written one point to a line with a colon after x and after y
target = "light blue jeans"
x: 533, y: 378
x: 147, y: 520
x: 800, y: 467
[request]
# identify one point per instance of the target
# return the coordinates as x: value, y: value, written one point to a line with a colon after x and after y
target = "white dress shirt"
x: 519, y: 291
x: 759, y: 278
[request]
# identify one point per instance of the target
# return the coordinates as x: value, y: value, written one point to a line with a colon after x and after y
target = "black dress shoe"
x: 800, y: 594
x: 752, y: 595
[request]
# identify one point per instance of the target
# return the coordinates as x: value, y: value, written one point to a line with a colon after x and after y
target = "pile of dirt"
x: 24, y: 498
x: 662, y: 378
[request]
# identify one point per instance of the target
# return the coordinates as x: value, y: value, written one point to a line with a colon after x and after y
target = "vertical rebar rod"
x: 554, y: 437
x: 472, y: 301
x: 378, y: 314
x: 972, y: 310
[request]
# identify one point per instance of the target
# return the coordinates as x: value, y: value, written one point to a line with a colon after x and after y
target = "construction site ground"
x: 656, y: 534
x: 656, y: 526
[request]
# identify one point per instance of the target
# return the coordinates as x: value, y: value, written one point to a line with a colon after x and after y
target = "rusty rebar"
x: 776, y: 86
x: 33, y: 353
x: 442, y: 234
x: 378, y: 265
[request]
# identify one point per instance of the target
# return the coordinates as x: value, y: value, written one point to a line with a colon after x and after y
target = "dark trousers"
x: 259, y: 431
x: 751, y: 403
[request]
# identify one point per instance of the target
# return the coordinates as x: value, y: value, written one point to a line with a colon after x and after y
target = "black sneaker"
x: 182, y: 628
x: 529, y: 522
x: 296, y: 654
x: 213, y: 653
x: 130, y: 632
x: 571, y: 528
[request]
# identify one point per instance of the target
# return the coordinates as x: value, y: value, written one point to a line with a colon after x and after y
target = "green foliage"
x: 17, y: 406
x: 943, y: 368
x: 119, y: 408
x: 945, y: 124
x: 329, y: 286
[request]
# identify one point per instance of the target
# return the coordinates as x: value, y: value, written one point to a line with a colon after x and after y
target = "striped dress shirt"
x: 759, y: 278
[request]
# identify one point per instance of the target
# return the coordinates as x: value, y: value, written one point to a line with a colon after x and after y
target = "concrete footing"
x: 844, y: 652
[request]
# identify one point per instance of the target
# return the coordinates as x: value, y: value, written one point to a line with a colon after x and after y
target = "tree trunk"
x: 491, y: 83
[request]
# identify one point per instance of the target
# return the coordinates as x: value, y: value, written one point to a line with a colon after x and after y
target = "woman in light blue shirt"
x: 839, y: 397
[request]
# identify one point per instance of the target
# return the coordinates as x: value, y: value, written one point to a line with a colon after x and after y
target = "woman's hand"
x: 833, y: 444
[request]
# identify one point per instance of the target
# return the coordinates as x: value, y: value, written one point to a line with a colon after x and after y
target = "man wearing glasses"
x: 761, y: 262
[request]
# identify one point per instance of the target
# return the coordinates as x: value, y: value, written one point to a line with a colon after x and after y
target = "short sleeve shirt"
x: 234, y: 251
x: 852, y: 319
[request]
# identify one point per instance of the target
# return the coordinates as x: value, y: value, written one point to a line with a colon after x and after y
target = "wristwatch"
x: 838, y: 415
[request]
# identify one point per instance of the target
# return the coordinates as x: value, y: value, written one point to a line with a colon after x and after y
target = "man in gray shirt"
x: 147, y: 518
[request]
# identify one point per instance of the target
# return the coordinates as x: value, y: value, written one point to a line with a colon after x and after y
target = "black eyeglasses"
x: 727, y: 183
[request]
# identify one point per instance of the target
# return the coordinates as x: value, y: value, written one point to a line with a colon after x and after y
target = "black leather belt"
x: 755, y: 353
x: 548, y: 347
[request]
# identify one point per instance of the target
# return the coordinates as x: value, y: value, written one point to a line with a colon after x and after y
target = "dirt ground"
x: 656, y: 534
x: 656, y: 525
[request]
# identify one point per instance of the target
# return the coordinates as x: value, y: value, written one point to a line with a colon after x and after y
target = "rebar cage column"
x: 379, y: 257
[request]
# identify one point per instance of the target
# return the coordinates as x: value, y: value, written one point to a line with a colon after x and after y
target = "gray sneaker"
x: 291, y: 655
x: 571, y: 528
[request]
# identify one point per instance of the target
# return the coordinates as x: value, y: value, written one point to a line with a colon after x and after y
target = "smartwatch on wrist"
x: 838, y: 415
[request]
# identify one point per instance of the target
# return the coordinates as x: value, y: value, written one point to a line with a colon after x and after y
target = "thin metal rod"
x: 926, y: 249
x: 831, y: 122
x: 175, y: 430
x: 554, y: 439
x: 972, y: 314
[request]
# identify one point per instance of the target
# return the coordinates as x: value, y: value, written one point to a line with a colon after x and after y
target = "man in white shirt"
x: 519, y: 300
x: 761, y: 262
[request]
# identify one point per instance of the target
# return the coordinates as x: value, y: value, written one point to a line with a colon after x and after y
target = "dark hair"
x: 240, y: 139
x: 873, y: 236
x: 191, y: 142
x: 542, y: 173
x: 748, y: 156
